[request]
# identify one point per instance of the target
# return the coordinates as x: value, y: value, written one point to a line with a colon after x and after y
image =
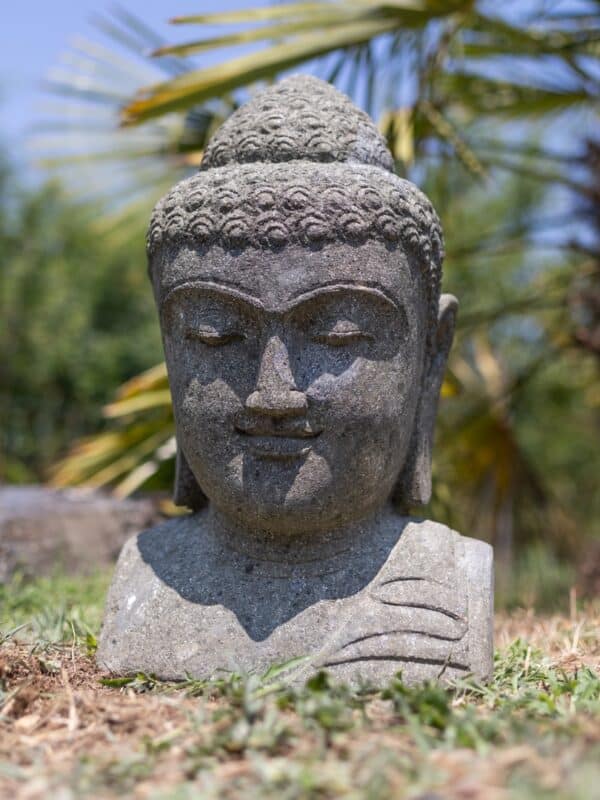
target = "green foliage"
x: 443, y: 78
x: 539, y: 579
x: 77, y: 319
x: 516, y: 452
x: 53, y: 609
x: 140, y: 447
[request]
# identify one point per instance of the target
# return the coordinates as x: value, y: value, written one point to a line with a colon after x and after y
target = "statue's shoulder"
x: 438, y: 543
x: 155, y: 567
x: 434, y: 552
x: 453, y: 573
x: 427, y: 611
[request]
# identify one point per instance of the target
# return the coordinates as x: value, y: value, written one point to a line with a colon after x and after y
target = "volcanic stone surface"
x: 297, y: 280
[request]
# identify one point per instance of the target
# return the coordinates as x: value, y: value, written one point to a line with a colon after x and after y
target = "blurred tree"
x: 584, y: 299
x: 75, y: 323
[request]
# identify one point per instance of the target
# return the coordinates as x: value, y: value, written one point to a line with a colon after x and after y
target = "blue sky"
x: 34, y: 34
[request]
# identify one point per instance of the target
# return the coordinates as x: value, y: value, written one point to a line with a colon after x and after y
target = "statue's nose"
x: 276, y: 393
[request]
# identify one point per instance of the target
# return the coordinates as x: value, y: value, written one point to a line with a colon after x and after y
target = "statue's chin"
x: 291, y: 497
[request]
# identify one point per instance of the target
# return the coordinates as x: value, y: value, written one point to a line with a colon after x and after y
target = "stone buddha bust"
x: 298, y: 285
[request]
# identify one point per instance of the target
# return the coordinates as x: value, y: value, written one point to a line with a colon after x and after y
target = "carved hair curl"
x: 299, y: 164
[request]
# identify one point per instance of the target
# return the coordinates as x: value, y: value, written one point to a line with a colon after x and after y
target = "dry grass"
x: 569, y: 641
x: 535, y: 733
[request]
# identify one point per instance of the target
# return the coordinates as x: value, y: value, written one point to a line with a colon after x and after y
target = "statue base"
x: 413, y: 597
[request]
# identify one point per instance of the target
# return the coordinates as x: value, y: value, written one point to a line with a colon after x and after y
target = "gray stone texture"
x: 189, y: 598
x: 298, y: 287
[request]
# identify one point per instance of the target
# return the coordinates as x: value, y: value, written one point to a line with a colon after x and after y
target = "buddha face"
x: 296, y: 377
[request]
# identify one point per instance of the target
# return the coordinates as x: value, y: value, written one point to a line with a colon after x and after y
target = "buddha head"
x: 298, y: 285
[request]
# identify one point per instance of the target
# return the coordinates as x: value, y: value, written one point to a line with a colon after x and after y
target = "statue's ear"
x: 414, y: 484
x: 186, y: 491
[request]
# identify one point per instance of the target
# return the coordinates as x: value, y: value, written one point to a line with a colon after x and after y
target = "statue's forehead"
x: 277, y: 277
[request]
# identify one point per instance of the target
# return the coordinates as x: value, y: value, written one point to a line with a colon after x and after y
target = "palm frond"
x: 201, y: 85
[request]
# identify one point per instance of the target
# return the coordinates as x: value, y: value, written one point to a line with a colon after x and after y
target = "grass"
x: 62, y: 608
x: 534, y: 732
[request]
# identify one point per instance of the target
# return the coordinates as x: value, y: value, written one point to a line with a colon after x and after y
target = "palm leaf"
x: 314, y: 10
x: 254, y: 35
x: 259, y: 14
x: 201, y: 85
x: 138, y: 402
x: 481, y: 95
x: 448, y: 132
x: 150, y: 380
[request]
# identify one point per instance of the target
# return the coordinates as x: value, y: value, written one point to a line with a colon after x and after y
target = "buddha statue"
x: 297, y: 280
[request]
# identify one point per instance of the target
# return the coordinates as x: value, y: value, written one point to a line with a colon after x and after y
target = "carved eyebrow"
x: 214, y: 288
x: 329, y: 290
x: 344, y: 288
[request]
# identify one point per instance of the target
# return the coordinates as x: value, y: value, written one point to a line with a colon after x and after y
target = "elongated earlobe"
x: 186, y: 491
x: 414, y: 484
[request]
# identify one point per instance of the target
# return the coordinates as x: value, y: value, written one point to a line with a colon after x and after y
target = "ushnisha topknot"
x: 299, y: 119
x: 299, y: 164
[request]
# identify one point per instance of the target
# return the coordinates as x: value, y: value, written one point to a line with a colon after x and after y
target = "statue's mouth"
x: 278, y: 441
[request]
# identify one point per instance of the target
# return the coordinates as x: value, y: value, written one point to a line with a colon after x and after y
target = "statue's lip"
x: 303, y: 431
x: 280, y: 444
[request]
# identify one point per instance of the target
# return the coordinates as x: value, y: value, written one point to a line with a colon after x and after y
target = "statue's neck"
x: 337, y: 547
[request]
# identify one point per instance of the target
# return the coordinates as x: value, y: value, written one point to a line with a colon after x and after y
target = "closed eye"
x: 339, y: 338
x: 214, y: 338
